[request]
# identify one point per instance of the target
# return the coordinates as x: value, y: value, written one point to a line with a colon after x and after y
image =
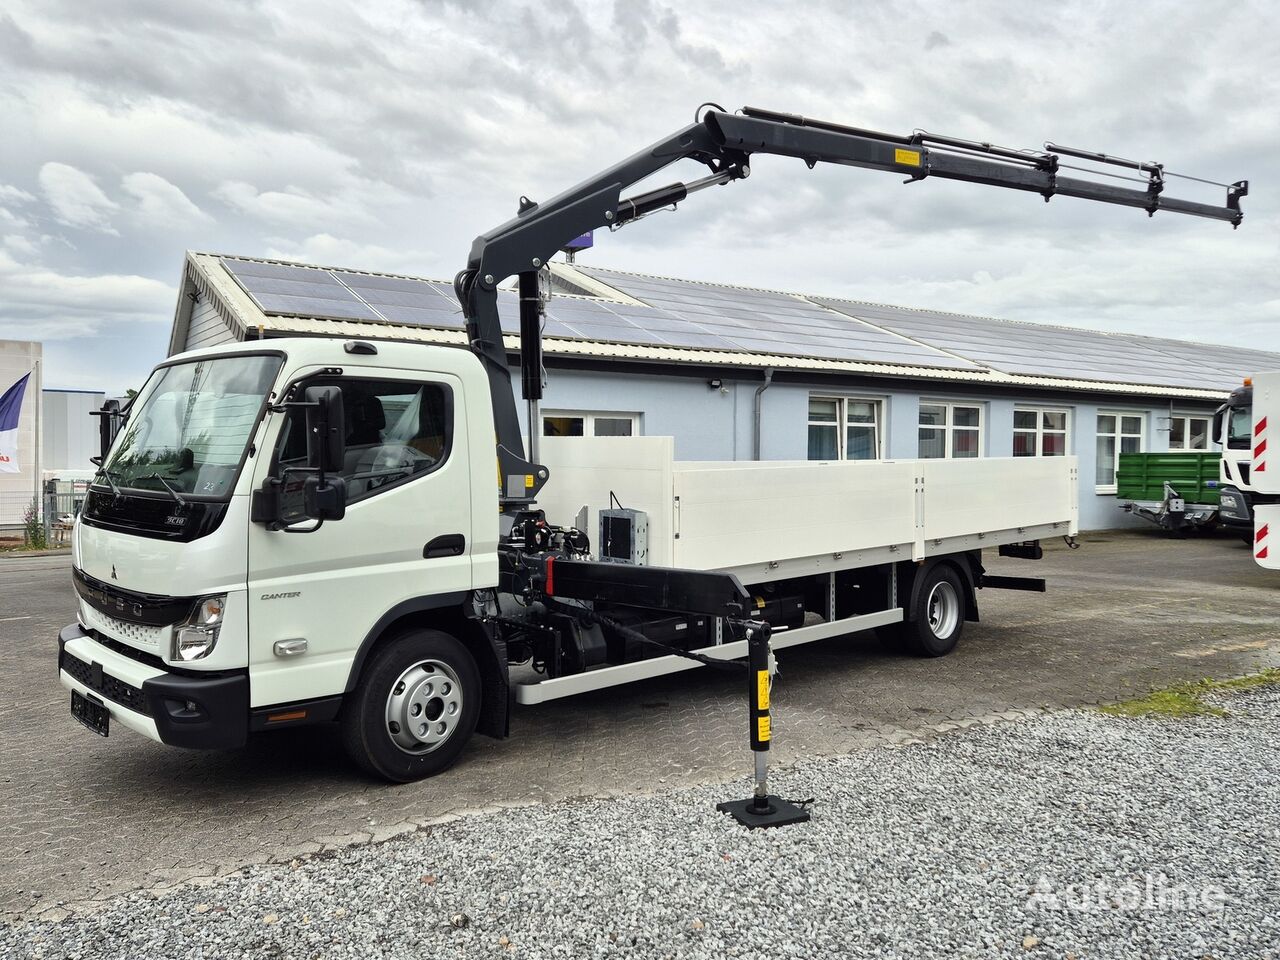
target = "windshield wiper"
x: 168, y: 485
x: 115, y: 488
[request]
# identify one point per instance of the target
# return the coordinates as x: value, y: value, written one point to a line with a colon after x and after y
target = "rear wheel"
x: 415, y: 708
x: 933, y: 626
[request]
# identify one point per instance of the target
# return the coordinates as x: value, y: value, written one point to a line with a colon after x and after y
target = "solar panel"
x: 256, y: 268
x: 1041, y: 350
x: 281, y: 288
x: 703, y: 316
x: 375, y: 281
x: 1232, y: 363
x: 314, y: 307
x: 777, y: 323
x: 422, y: 315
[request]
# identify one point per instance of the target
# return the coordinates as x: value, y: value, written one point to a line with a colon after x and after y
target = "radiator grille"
x: 135, y: 634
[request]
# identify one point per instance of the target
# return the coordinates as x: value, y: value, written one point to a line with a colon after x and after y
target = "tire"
x: 934, y: 624
x: 415, y: 707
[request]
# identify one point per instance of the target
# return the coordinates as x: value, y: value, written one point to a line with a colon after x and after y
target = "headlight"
x: 196, y: 637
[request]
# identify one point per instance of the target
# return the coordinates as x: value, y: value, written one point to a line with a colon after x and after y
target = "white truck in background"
x: 295, y: 531
x: 1233, y: 431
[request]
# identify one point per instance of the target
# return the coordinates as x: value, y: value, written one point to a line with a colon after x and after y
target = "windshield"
x: 1239, y: 427
x: 188, y: 429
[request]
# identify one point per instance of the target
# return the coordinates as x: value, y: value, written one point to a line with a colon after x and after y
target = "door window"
x: 397, y: 430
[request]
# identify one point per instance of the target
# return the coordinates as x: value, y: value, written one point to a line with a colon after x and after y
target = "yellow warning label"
x: 910, y: 157
x: 762, y: 729
x: 528, y: 481
x: 762, y: 689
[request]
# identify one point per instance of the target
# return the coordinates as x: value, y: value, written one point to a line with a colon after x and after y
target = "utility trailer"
x: 826, y: 548
x: 1177, y: 491
x: 302, y: 530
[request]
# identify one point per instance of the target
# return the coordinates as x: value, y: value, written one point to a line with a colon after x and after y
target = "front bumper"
x: 1234, y: 508
x: 181, y: 710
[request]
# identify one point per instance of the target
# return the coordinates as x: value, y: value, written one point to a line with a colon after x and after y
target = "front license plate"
x: 93, y: 715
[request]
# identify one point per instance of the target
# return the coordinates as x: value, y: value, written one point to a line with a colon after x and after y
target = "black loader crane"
x: 567, y: 599
x: 725, y: 142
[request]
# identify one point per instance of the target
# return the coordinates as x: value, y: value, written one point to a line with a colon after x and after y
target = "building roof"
x: 611, y: 314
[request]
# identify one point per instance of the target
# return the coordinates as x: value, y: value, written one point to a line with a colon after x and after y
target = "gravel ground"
x: 1074, y: 834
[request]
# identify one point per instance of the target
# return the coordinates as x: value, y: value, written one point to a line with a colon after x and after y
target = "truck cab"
x: 1233, y: 429
x: 214, y: 602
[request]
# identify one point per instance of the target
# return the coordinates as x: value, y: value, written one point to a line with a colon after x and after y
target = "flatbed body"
x: 772, y: 521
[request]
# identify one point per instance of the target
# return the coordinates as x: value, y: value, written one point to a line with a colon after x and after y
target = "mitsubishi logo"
x: 113, y: 572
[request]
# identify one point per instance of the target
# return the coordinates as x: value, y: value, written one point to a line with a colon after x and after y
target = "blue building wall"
x: 717, y: 424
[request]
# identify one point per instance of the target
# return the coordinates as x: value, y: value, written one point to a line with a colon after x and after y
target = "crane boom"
x: 724, y: 142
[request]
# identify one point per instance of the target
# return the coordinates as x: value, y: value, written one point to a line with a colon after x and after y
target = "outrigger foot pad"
x: 774, y: 812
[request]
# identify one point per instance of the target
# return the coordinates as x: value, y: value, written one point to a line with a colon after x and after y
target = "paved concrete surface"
x: 82, y: 817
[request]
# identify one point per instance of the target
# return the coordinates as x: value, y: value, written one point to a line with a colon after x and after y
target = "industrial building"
x: 735, y: 373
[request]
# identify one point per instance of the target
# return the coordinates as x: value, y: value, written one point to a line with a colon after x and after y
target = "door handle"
x: 446, y: 545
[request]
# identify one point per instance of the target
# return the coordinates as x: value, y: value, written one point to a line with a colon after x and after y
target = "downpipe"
x: 759, y: 406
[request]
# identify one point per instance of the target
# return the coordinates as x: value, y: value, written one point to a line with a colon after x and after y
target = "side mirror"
x: 109, y: 420
x: 317, y: 491
x: 324, y: 499
x: 1217, y: 429
x: 326, y: 429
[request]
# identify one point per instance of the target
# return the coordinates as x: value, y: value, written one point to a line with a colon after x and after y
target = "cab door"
x: 406, y: 533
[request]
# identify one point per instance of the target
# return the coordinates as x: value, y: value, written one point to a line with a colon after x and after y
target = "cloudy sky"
x: 385, y: 135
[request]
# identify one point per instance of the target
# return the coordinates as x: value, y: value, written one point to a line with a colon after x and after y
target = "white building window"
x: 1189, y: 433
x: 1039, y: 432
x: 578, y: 423
x: 1117, y: 433
x: 950, y: 430
x: 844, y: 428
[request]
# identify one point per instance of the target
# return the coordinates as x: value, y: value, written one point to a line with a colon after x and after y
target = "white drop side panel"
x: 796, y: 517
x: 747, y: 513
x: 988, y: 494
x: 636, y: 469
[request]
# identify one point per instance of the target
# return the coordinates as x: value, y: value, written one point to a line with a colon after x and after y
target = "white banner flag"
x: 10, y: 409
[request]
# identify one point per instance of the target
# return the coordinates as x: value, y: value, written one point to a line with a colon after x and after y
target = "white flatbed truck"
x: 294, y: 531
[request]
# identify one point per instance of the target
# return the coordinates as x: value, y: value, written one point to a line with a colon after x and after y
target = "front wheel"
x: 934, y: 624
x: 415, y: 708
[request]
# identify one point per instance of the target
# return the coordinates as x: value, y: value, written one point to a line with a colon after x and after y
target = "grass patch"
x: 1187, y: 699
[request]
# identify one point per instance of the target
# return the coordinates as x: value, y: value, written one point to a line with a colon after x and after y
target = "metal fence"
x: 49, y: 518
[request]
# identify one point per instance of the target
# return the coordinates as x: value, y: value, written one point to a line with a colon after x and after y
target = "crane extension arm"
x: 725, y: 143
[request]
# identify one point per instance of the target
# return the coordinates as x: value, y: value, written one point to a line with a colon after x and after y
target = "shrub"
x: 33, y: 527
